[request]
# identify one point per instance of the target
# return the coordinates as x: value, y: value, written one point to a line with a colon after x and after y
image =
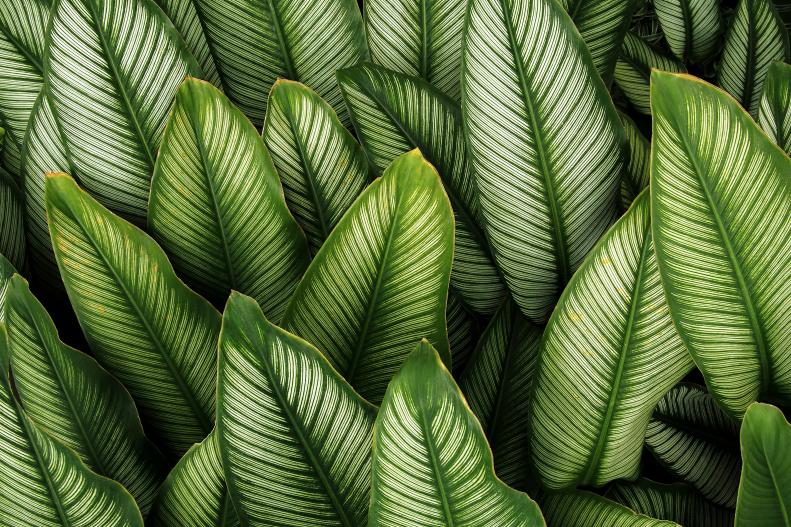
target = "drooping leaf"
x: 608, y: 354
x: 381, y: 279
x: 322, y: 167
x: 774, y: 113
x: 7, y: 270
x: 12, y: 228
x: 418, y: 37
x: 765, y: 488
x: 112, y: 69
x: 431, y: 463
x: 548, y: 184
x: 692, y: 28
x: 74, y: 400
x: 497, y: 382
x: 142, y: 323
x: 697, y: 441
x: 217, y: 206
x: 638, y: 171
x: 394, y: 113
x: 721, y: 199
x: 585, y: 509
x: 293, y: 435
x: 44, y: 483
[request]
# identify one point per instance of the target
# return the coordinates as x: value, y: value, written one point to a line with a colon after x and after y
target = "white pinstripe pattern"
x: 12, y: 228
x: 692, y: 28
x: 638, y: 171
x: 6, y: 272
x: 774, y: 113
x: 586, y: 509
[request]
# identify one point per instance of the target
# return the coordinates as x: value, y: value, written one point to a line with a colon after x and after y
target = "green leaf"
x: 321, y: 166
x: 418, y: 37
x: 44, y: 483
x: 755, y: 39
x: 633, y: 71
x: 765, y: 488
x: 255, y: 43
x: 608, y: 354
x: 497, y: 385
x: 697, y: 441
x: 194, y: 494
x: 431, y: 463
x: 586, y: 509
x: 294, y: 436
x: 463, y: 330
x: 394, y: 113
x: 217, y: 206
x: 142, y: 323
x: 638, y: 170
x: 7, y: 270
x: 721, y: 199
x: 380, y: 281
x: 12, y: 228
x: 547, y: 161
x: 692, y: 28
x: 774, y: 113
x: 76, y: 401
x: 112, y: 69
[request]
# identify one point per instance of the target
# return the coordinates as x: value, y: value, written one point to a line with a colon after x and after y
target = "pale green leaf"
x: 692, y: 28
x: 638, y: 171
x: 774, y: 113
x: 586, y: 509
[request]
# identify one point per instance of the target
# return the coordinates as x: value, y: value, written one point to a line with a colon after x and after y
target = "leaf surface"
x: 638, y: 171
x: 580, y: 508
x: 774, y: 113
x: 692, y: 28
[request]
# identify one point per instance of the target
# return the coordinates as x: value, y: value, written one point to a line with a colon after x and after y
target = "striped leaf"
x: 418, y: 37
x: 256, y: 42
x: 638, y: 171
x: 12, y: 228
x: 774, y: 113
x: 142, y: 323
x: 755, y: 39
x: 547, y: 161
x: 194, y: 494
x: 585, y: 509
x: 497, y: 385
x: 7, y: 270
x: 691, y: 436
x: 44, y: 483
x: 112, y: 69
x: 609, y: 353
x: 431, y: 464
x: 633, y: 71
x: 764, y: 495
x: 74, y: 400
x: 394, y: 113
x: 721, y: 199
x: 217, y: 206
x: 380, y: 281
x: 692, y: 28
x: 463, y: 332
x: 293, y: 435
x: 322, y: 167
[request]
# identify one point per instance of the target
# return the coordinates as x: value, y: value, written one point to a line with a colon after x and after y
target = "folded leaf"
x: 765, y: 488
x: 7, y: 270
x: 113, y: 67
x: 638, y: 170
x: 547, y: 161
x: 293, y: 435
x: 431, y: 464
x: 774, y: 113
x: 217, y: 206
x: 721, y: 199
x: 692, y: 28
x: 142, y: 323
x: 608, y: 354
x: 12, y: 228
x: 380, y: 281
x: 320, y: 164
x: 394, y: 113
x: 586, y: 509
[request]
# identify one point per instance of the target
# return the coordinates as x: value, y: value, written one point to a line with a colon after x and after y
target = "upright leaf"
x: 381, y: 279
x: 586, y: 509
x: 692, y: 28
x: 431, y: 463
x: 293, y: 435
x: 721, y: 199
x: 463, y: 329
x: 217, y: 207
x: 547, y: 161
x: 142, y: 323
x: 12, y: 228
x: 638, y: 171
x: 774, y: 113
x: 7, y: 270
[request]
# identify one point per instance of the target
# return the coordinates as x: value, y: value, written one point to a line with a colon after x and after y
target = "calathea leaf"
x: 7, y: 270
x: 111, y: 93
x: 380, y: 278
x: 44, y: 483
x: 692, y: 27
x: 217, y: 207
x: 497, y: 385
x: 463, y: 331
x: 697, y: 441
x: 418, y: 37
x: 394, y: 113
x: 548, y: 185
x: 585, y: 509
x: 755, y: 39
x: 774, y: 113
x: 322, y: 167
x: 142, y: 323
x: 195, y: 493
x: 431, y: 464
x: 721, y: 199
x: 638, y: 171
x: 765, y: 487
x: 12, y: 229
x: 608, y: 354
x: 293, y: 435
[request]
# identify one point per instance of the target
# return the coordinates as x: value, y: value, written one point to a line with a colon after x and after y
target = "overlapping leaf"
x: 12, y: 229
x: 691, y: 27
x: 774, y: 113
x: 585, y: 509
x: 7, y: 270
x: 638, y: 171
x: 463, y: 332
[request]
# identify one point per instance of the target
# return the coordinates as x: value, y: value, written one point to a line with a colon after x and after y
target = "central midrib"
x: 281, y: 40
x: 505, y: 378
x: 438, y: 477
x: 425, y: 39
